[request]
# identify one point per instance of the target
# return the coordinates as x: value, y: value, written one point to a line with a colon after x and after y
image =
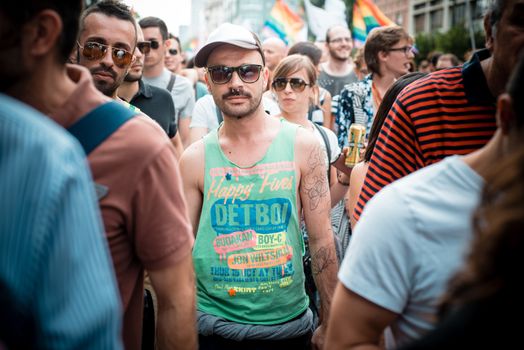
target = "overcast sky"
x: 173, y: 12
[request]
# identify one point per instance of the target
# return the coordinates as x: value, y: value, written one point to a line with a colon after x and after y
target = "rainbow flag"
x: 366, y: 16
x: 283, y: 22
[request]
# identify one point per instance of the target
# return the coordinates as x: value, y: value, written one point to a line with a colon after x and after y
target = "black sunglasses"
x: 96, y: 51
x: 248, y: 73
x: 154, y: 44
x: 144, y: 47
x: 173, y: 52
x: 297, y: 84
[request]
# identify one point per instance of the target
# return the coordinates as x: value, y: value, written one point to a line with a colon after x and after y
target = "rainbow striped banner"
x: 366, y: 16
x: 283, y: 22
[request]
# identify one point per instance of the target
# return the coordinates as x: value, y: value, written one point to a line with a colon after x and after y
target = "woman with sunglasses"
x: 294, y: 85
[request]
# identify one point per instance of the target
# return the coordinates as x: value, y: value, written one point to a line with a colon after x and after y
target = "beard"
x: 103, y: 86
x: 339, y: 56
x: 238, y: 111
x: 132, y: 77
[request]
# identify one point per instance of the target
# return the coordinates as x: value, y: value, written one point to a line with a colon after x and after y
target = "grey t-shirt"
x: 183, y: 93
x: 335, y: 84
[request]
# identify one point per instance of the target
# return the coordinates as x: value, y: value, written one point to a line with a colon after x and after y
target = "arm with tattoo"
x: 316, y: 205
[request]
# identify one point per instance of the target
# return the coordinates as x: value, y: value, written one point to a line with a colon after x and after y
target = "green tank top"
x: 248, y: 249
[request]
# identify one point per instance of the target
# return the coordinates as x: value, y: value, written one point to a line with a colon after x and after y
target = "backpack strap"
x: 96, y: 126
x: 328, y: 148
x: 219, y: 115
x: 171, y: 83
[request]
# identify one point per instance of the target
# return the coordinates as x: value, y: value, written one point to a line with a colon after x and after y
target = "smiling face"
x: 236, y: 98
x: 340, y: 43
x: 115, y: 33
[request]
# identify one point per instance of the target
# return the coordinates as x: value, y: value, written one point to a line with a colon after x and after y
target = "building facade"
x: 396, y: 10
x: 428, y: 16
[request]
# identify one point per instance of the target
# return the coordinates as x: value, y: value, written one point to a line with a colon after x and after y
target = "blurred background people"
x: 338, y: 70
x: 173, y: 58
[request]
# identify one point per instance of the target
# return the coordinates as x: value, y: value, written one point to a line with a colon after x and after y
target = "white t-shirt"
x: 205, y: 114
x: 411, y: 238
x: 183, y: 93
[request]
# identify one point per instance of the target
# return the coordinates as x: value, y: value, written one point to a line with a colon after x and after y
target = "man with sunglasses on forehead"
x: 143, y: 208
x: 156, y: 74
x: 248, y: 182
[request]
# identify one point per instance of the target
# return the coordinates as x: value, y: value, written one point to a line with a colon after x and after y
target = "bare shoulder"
x: 307, y: 148
x: 192, y: 160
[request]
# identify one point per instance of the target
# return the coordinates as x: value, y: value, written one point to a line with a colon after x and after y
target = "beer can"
x: 356, y: 136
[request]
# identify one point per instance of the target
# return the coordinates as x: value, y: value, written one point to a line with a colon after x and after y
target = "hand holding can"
x: 356, y: 137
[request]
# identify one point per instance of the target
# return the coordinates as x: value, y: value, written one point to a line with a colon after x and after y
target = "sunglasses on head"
x: 144, y: 47
x: 96, y: 51
x: 297, y: 84
x: 248, y: 73
x: 173, y: 52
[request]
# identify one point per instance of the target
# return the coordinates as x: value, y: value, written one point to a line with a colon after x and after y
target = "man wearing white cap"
x: 248, y: 183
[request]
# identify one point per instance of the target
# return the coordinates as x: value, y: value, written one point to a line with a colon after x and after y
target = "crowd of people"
x: 154, y: 200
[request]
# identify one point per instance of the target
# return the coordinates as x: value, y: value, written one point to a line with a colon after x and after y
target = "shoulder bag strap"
x: 171, y: 83
x: 95, y: 127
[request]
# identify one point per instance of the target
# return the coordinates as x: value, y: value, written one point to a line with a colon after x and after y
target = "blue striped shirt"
x: 54, y: 260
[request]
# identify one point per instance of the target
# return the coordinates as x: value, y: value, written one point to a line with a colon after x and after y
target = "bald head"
x: 274, y: 50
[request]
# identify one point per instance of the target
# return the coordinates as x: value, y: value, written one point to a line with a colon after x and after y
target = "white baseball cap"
x: 231, y: 34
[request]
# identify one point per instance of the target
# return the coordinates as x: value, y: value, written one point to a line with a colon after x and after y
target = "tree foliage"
x: 456, y: 41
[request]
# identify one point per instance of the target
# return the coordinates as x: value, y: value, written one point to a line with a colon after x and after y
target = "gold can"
x: 356, y: 136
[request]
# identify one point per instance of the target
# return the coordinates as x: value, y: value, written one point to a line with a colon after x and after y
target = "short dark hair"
x: 495, y: 11
x: 110, y: 8
x: 155, y: 22
x: 308, y: 49
x: 20, y: 12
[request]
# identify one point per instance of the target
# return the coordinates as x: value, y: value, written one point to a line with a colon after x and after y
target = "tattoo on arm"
x: 315, y: 182
x: 321, y: 260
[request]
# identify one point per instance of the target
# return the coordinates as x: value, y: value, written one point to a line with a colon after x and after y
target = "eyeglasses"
x: 405, y: 49
x: 339, y: 40
x: 144, y: 47
x: 297, y: 84
x: 96, y: 51
x: 173, y: 52
x: 248, y: 73
x: 154, y: 44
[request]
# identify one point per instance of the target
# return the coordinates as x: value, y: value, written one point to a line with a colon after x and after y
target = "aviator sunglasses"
x: 297, y: 84
x: 95, y: 51
x: 248, y: 73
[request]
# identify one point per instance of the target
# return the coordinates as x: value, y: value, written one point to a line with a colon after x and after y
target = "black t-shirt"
x: 158, y: 104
